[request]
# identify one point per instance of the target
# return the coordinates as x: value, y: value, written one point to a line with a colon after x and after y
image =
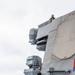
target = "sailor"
x: 52, y: 18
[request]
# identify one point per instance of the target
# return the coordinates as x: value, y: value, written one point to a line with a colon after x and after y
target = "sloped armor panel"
x: 64, y: 46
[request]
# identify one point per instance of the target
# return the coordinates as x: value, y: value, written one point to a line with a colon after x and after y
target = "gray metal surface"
x: 60, y: 46
x: 50, y: 59
x: 64, y: 46
x: 34, y: 62
x: 41, y: 47
x: 60, y: 65
x: 68, y: 16
x: 48, y: 52
x: 41, y: 44
x: 31, y: 72
x: 43, y: 24
x: 44, y: 31
x: 32, y: 36
x: 63, y: 65
x: 60, y: 73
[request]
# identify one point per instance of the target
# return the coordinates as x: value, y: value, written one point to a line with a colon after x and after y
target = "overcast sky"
x: 16, y: 19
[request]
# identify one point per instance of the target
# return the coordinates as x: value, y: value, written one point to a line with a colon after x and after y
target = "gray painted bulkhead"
x: 57, y: 39
x: 51, y: 61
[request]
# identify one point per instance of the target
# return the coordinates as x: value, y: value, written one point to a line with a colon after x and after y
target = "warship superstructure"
x: 56, y: 37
